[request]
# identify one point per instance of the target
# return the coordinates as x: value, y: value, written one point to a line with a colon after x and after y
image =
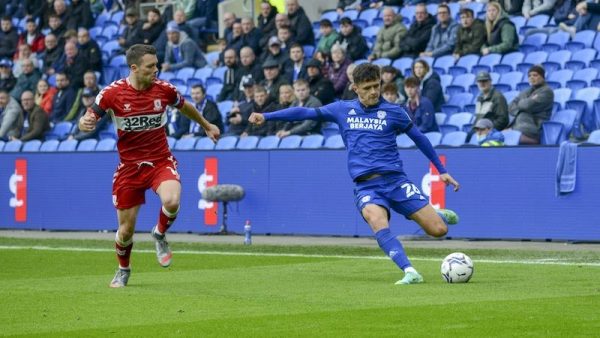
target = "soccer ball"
x: 457, y: 268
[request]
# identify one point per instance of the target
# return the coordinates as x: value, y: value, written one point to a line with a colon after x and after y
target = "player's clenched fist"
x: 87, y: 122
x: 257, y: 118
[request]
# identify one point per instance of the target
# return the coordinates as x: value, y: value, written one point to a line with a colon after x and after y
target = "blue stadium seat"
x: 486, y: 62
x: 107, y: 144
x: 533, y: 42
x: 434, y: 138
x: 351, y: 14
x: 464, y: 64
x: 171, y: 142
x: 370, y: 32
x: 368, y: 14
x: 214, y: 91
x: 12, y: 146
x: 166, y: 76
x: 518, y: 21
x: 552, y: 133
x: 456, y: 103
x: 440, y: 118
x: 582, y: 39
x: 2, y: 143
x: 329, y: 128
x: 247, y: 143
x: 203, y: 73
x: 205, y: 143
x: 403, y: 141
x: 32, y: 146
x: 562, y: 95
x: 117, y: 16
x: 454, y: 139
x: 556, y: 41
x: 560, y: 77
x: 408, y: 12
x: 67, y: 145
x: 381, y: 62
x: 111, y: 47
x: 376, y: 22
x: 510, y: 96
x: 509, y: 62
x: 219, y: 72
x: 309, y: 50
x: 445, y: 81
x: 511, y: 137
x: 581, y: 59
x: 511, y: 79
x: 535, y: 58
x: 447, y: 128
x: 87, y: 145
x: 557, y: 60
x: 268, y: 142
x: 460, y: 119
x: 102, y: 18
x: 462, y: 81
x: 334, y: 142
x: 192, y: 81
x: 211, y: 58
x: 583, y: 103
x: 226, y: 143
x: 403, y: 64
x: 49, y: 146
x: 211, y: 80
x: 185, y: 73
x: 290, y: 142
x: 185, y: 143
x: 314, y: 141
x: 330, y: 15
x: 110, y: 32
x: 60, y: 131
x: 582, y: 78
x: 443, y: 63
x: 594, y: 137
x: 225, y: 106
x: 567, y: 118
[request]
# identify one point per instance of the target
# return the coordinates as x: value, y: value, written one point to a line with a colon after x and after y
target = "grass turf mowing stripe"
x: 545, y: 261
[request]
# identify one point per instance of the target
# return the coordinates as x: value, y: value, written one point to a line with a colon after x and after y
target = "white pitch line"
x: 543, y: 261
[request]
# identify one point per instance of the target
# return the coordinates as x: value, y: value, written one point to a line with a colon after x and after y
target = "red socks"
x: 123, y: 250
x: 165, y: 219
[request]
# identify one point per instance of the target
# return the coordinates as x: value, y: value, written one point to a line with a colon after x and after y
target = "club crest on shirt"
x: 365, y: 199
x: 381, y: 114
x: 127, y: 107
x: 157, y: 105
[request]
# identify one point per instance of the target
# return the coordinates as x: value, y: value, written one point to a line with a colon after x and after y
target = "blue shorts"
x: 391, y: 191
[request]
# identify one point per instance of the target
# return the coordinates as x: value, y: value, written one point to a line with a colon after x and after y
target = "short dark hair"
x: 411, y: 82
x: 366, y: 72
x: 297, y: 45
x: 301, y: 82
x: 345, y: 21
x: 390, y: 88
x: 444, y: 6
x: 467, y: 11
x: 197, y: 85
x: 154, y: 10
x: 325, y: 23
x: 390, y: 69
x: 135, y: 53
x: 6, y: 18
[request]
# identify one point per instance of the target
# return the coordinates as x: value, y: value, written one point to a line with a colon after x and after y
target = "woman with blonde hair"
x: 501, y: 32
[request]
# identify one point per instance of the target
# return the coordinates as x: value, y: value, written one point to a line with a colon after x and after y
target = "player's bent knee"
x: 438, y: 229
x: 171, y: 204
x: 125, y: 231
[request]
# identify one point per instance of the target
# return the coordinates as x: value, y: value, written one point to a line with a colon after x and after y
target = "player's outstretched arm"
x: 88, y: 121
x: 288, y: 114
x: 211, y: 130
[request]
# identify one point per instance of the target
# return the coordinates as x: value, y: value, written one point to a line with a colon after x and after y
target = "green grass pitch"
x: 292, y: 291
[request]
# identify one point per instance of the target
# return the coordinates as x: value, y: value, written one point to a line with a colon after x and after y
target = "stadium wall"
x: 506, y: 193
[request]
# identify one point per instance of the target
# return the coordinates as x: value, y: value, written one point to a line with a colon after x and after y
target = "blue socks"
x: 392, y: 248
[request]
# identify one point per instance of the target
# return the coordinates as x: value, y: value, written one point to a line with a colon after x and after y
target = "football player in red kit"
x: 137, y: 105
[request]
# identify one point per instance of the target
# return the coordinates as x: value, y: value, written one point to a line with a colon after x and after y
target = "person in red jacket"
x: 32, y: 37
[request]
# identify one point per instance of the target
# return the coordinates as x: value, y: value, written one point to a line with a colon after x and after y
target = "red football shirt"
x: 140, y: 118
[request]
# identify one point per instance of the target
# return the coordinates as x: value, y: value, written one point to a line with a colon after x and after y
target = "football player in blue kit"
x: 369, y: 126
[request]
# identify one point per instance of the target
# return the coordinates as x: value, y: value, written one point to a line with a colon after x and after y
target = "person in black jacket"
x: 8, y: 38
x: 79, y: 15
x: 208, y: 109
x: 430, y: 85
x: 133, y: 32
x: 416, y: 39
x: 89, y: 49
x: 300, y: 23
x: 351, y: 39
x: 232, y: 76
x: 153, y: 27
x: 320, y: 86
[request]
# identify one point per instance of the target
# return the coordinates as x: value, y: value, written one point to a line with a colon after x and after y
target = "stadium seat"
x: 330, y: 15
x: 87, y: 145
x: 518, y: 21
x: 533, y: 42
x: 403, y: 64
x: 511, y: 79
x: 226, y: 143
x: 185, y: 143
x: 309, y: 50
x: 560, y: 77
x: 13, y: 146
x: 552, y: 133
x: 434, y: 138
x: 440, y: 118
x: 581, y: 59
x: 212, y: 80
x: 32, y: 146
x: 2, y: 143
x: 334, y: 142
x: 205, y: 143
x: 67, y: 145
x: 582, y: 78
x: 510, y: 96
x: 49, y: 146
x: 583, y: 103
x: 268, y: 142
x: 314, y: 141
x: 107, y: 144
x: 368, y: 14
x: 329, y: 128
x: 364, y: 24
x: 557, y: 60
x: 464, y: 64
x: 111, y: 47
x: 370, y: 32
x: 166, y: 76
x: 185, y: 73
x: 446, y: 80
x: 509, y: 62
x: 582, y: 39
x: 443, y: 63
x: 290, y: 142
x: 447, y: 128
x: 456, y: 103
x: 211, y: 58
x: 460, y: 119
x: 351, y: 14
x: 594, y: 137
x: 381, y: 62
x: 535, y: 58
x: 203, y: 73
x: 219, y: 72
x: 403, y: 141
x: 247, y: 143
x: 486, y: 62
x: 454, y: 139
x: 408, y: 12
x: 567, y: 118
x: 117, y: 16
x: 213, y: 91
x: 171, y: 141
x: 60, y: 131
x: 462, y: 81
x: 511, y: 137
x: 102, y: 18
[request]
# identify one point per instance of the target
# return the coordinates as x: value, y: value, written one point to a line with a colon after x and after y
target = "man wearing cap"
x: 33, y: 122
x: 232, y: 76
x: 532, y: 107
x: 87, y: 99
x: 181, y: 51
x: 487, y: 135
x: 273, y: 79
x: 320, y: 86
x: 275, y: 53
x: 7, y: 78
x: 133, y: 33
x: 491, y: 103
x: 351, y: 38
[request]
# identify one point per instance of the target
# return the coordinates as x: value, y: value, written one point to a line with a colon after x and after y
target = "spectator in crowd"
x: 248, y: 90
x: 35, y: 9
x: 283, y: 59
x: 10, y: 114
x: 349, y: 93
x: 418, y: 34
x: 430, y: 85
x: 237, y: 38
x: 286, y: 97
x: 133, y: 31
x: 33, y: 122
x: 336, y: 69
x: 389, y: 37
x: 352, y: 40
x: 281, y: 20
x: 266, y: 24
x: 8, y: 38
x: 179, y: 19
x: 52, y: 52
x: 390, y: 74
x: 181, y: 51
x: 153, y: 27
x: 251, y: 34
x: 59, y: 8
x: 487, y: 135
x: 32, y: 37
x: 562, y: 12
x: 273, y: 80
x: 299, y: 66
x: 262, y: 103
x: 232, y: 77
x: 328, y: 37
x: 471, y: 34
x: 44, y: 96
x: 79, y: 15
x: 237, y: 118
x: 7, y: 78
x: 303, y: 99
x: 512, y: 7
x: 532, y: 107
x: 208, y: 109
x: 87, y: 99
x: 443, y: 34
x: 24, y: 52
x: 299, y: 23
x: 320, y: 86
x: 419, y: 107
x: 63, y: 100
x: 57, y: 29
x: 389, y: 91
x: 588, y: 18
x: 89, y: 50
x: 27, y: 80
x: 249, y: 68
x: 205, y: 15
x: 344, y: 5
x: 501, y: 34
x: 534, y: 7
x: 228, y: 19
x: 379, y: 4
x: 73, y: 64
x: 491, y: 103
x: 285, y: 37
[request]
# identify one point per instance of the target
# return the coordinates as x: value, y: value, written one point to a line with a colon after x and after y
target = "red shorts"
x: 131, y: 181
